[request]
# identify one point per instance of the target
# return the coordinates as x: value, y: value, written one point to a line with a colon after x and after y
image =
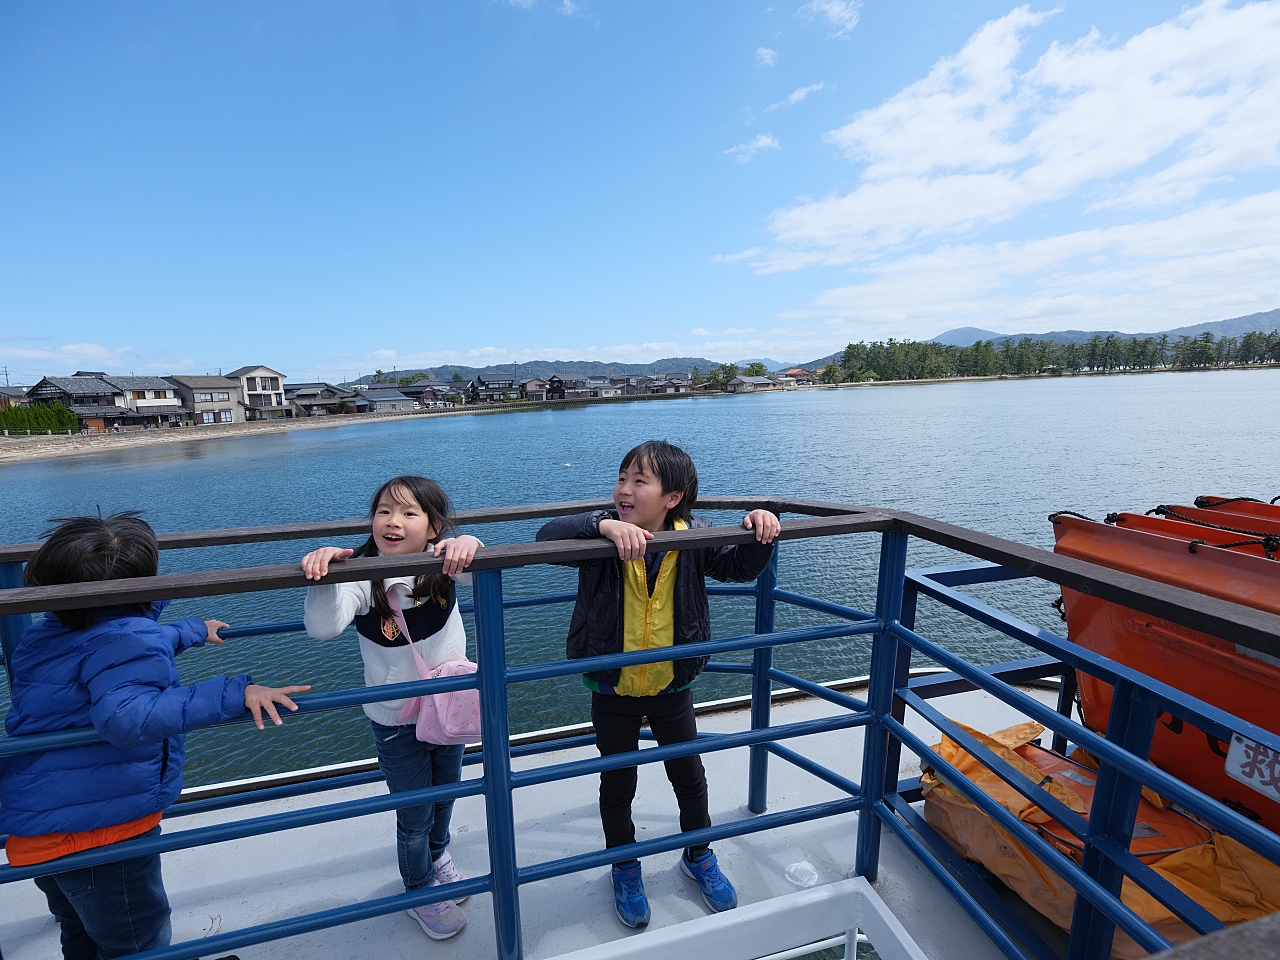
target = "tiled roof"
x: 139, y: 383
x: 245, y: 371
x: 80, y: 385
x: 206, y: 383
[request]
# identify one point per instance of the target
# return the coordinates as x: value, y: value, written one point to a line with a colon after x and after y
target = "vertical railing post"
x: 491, y: 647
x: 1132, y: 725
x: 884, y: 663
x: 762, y: 685
x: 1066, y: 700
x: 901, y: 675
x: 13, y: 626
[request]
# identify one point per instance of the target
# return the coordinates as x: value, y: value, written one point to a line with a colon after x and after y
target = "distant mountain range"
x: 1265, y: 322
x: 770, y: 365
x: 683, y: 366
x: 671, y: 367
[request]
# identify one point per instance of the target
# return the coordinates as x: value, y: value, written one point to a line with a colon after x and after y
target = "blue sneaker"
x: 628, y: 895
x: 715, y: 887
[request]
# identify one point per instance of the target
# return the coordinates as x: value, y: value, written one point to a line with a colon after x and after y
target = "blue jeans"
x: 422, y: 832
x: 110, y: 910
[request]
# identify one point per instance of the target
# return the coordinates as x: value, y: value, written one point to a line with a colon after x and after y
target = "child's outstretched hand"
x: 213, y: 626
x: 627, y: 537
x: 316, y: 563
x: 258, y: 698
x: 764, y: 523
x: 458, y: 552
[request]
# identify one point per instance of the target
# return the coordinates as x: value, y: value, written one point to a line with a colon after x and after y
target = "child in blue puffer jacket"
x: 111, y: 668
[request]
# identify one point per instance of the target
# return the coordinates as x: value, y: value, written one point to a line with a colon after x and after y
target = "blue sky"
x: 333, y: 187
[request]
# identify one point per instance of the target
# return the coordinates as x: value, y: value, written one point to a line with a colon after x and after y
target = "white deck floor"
x: 218, y: 888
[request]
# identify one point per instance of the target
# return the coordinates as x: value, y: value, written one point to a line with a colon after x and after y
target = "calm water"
x: 996, y: 457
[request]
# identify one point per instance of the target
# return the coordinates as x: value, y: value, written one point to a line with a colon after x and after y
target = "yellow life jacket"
x: 648, y: 622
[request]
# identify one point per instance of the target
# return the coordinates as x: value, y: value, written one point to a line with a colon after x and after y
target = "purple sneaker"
x: 440, y: 921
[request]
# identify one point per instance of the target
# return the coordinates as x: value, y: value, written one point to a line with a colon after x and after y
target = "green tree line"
x: 56, y: 418
x: 910, y: 360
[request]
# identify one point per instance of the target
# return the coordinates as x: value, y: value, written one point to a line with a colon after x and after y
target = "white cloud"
x: 522, y: 4
x: 743, y: 152
x: 1141, y: 124
x: 766, y: 57
x: 841, y: 15
x: 796, y: 96
x: 732, y: 257
x: 1127, y: 183
x: 1219, y: 260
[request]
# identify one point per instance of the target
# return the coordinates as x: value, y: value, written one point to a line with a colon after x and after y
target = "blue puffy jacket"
x: 119, y: 677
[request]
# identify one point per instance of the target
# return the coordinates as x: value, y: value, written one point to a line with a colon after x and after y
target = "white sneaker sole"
x: 433, y: 934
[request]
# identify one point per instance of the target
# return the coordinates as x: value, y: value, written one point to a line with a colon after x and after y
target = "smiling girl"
x: 410, y: 515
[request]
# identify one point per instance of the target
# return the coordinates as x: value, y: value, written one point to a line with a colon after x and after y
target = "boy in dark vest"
x: 638, y: 601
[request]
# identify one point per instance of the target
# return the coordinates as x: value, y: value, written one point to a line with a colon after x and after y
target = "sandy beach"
x: 14, y: 449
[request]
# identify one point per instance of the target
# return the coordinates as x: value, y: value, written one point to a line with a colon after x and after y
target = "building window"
x: 204, y: 398
x: 207, y: 416
x: 222, y: 397
x: 279, y: 400
x: 224, y: 416
x: 139, y: 394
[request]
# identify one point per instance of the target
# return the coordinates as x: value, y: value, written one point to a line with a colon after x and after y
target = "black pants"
x: 617, y: 722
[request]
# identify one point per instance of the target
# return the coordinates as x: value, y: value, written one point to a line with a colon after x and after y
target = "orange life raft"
x: 1238, y: 680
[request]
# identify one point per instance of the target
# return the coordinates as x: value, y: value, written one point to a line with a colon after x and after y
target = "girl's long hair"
x: 430, y: 496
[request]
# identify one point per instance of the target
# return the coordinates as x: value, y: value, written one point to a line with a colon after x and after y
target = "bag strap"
x: 396, y: 612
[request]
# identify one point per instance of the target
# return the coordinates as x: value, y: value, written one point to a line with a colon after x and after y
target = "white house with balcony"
x: 262, y: 390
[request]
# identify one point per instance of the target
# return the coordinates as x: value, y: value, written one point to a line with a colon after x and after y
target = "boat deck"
x: 241, y: 883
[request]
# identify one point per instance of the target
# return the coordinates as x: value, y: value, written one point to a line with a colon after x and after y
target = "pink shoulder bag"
x: 442, y: 718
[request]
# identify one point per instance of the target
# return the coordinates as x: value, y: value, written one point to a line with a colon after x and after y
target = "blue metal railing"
x: 891, y: 692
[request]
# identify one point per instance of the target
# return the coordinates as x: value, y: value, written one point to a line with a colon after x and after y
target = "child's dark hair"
x: 84, y: 549
x: 674, y: 468
x: 430, y: 496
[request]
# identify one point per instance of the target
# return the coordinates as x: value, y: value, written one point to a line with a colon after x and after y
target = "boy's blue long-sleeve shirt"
x: 118, y: 676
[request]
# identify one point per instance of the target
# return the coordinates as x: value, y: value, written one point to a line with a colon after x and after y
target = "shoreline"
x: 21, y: 449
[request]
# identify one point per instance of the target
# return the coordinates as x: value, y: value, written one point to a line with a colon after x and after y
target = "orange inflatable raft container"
x: 1213, y: 669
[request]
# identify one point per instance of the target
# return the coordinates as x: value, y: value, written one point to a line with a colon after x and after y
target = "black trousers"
x: 617, y: 722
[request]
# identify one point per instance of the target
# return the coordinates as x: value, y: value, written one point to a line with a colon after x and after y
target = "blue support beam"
x: 1131, y: 726
x: 491, y: 647
x: 762, y: 686
x: 885, y: 659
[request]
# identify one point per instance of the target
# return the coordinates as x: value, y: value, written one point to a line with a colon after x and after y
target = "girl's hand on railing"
x: 458, y: 552
x: 213, y: 626
x: 258, y: 698
x: 764, y: 523
x: 316, y: 563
